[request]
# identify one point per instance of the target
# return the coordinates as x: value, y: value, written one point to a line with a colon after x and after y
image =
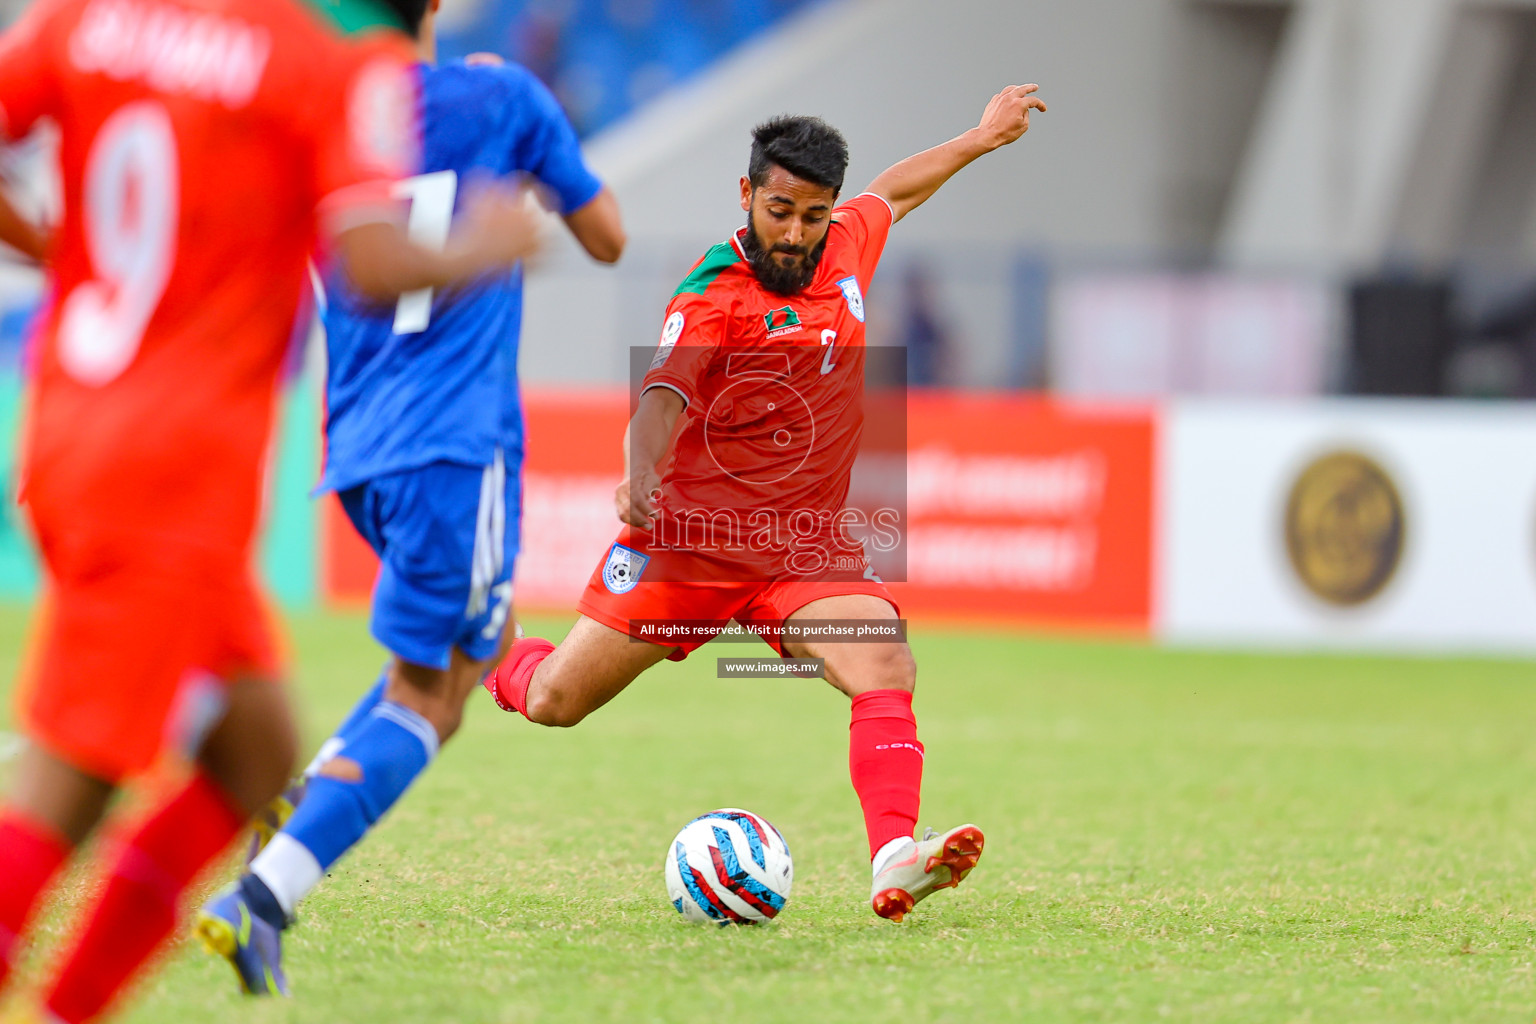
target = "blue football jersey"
x: 433, y: 378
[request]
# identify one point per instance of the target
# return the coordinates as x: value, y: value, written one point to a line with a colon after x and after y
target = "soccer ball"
x: 729, y: 867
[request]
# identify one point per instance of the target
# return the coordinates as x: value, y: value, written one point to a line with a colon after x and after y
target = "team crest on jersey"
x: 622, y: 570
x: 850, y: 287
x: 670, y: 332
x: 781, y: 321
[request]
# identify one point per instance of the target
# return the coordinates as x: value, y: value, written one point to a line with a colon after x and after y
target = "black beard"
x: 774, y: 276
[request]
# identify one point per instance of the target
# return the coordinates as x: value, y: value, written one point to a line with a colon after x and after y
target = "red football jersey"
x: 203, y: 142
x: 760, y: 464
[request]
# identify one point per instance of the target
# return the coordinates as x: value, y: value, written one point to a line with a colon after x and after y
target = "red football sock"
x: 31, y: 853
x: 508, y: 682
x: 137, y: 910
x: 885, y: 761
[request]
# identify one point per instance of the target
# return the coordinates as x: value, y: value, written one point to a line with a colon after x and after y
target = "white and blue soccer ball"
x: 729, y: 867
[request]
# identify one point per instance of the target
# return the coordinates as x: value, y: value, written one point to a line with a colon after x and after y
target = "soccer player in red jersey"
x: 206, y: 145
x: 732, y: 513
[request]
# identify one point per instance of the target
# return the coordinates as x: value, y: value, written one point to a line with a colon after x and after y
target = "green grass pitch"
x: 1181, y: 836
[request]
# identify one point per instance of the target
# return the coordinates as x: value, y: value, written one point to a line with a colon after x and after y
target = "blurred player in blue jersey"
x: 424, y: 448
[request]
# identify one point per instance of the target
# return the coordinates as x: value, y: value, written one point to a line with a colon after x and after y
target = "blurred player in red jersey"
x: 762, y: 356
x: 206, y: 145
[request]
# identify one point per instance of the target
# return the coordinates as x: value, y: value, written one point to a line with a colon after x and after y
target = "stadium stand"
x: 603, y: 58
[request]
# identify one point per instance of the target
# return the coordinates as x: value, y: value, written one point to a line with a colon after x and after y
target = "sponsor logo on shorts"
x: 855, y: 297
x: 1344, y: 528
x: 622, y: 570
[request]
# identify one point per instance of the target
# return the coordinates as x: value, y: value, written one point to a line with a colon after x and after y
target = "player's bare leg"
x: 243, y: 760
x: 349, y: 786
x: 885, y: 759
x: 559, y: 686
x: 52, y: 807
x: 55, y: 793
x: 250, y: 754
x: 438, y: 695
x: 857, y: 668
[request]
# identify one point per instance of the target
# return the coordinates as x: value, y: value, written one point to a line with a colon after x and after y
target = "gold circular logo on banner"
x: 1344, y: 528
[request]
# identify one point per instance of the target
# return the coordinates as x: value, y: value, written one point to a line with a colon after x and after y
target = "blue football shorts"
x: 446, y: 535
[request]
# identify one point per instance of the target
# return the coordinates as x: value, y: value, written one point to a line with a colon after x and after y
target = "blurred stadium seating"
x: 603, y: 58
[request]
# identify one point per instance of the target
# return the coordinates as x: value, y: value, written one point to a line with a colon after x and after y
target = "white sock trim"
x: 411, y: 722
x: 287, y: 868
x: 329, y: 749
x: 888, y: 851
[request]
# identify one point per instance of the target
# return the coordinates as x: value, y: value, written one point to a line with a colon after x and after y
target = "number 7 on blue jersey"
x: 431, y: 197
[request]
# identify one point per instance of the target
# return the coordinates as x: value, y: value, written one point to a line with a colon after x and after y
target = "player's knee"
x: 437, y: 695
x: 253, y: 782
x: 252, y: 753
x: 285, y: 753
x: 446, y: 717
x: 895, y: 669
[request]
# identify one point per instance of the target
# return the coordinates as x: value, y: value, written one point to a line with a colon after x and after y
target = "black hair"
x: 410, y: 13
x: 806, y: 147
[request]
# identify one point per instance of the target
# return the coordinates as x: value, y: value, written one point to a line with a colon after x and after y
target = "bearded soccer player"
x: 762, y: 358
x: 424, y: 447
x: 205, y: 146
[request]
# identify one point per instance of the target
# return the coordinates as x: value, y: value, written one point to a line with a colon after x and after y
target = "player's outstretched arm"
x: 599, y: 227
x: 497, y: 230
x: 646, y: 440
x: 909, y: 184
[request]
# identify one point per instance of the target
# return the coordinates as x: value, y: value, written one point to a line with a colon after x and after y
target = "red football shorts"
x: 618, y: 596
x: 132, y: 648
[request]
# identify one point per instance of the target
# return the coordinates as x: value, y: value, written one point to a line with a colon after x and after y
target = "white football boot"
x: 917, y: 869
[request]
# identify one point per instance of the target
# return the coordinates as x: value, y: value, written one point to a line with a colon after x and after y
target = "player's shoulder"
x: 862, y: 207
x: 505, y: 102
x: 717, y: 277
x: 505, y: 82
x: 322, y: 43
x: 346, y: 20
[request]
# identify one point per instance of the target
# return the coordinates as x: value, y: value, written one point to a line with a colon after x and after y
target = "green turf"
x: 1196, y: 837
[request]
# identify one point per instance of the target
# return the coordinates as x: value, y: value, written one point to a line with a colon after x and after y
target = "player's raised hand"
x: 1006, y: 118
x: 912, y: 182
x: 636, y: 498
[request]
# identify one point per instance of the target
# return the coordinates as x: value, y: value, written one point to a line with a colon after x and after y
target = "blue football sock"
x: 359, y: 713
x: 355, y: 720
x: 391, y: 748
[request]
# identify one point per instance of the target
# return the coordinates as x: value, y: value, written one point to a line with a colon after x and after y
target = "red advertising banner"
x: 1021, y: 509
x: 1030, y: 510
x: 347, y: 563
x: 575, y: 460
